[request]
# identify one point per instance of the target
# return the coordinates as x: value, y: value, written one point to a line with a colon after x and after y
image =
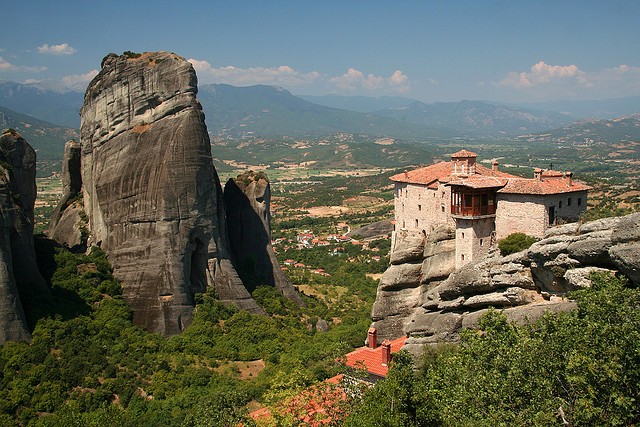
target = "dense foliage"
x: 580, y: 368
x: 89, y: 365
x: 515, y: 242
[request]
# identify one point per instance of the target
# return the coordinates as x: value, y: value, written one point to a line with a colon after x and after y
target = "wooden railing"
x: 473, y: 211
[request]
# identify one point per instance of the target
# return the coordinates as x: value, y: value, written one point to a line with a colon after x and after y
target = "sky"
x: 506, y: 51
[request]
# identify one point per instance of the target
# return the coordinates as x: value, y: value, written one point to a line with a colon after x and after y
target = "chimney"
x: 372, y: 338
x: 537, y: 174
x: 494, y: 166
x: 386, y: 352
x: 568, y: 177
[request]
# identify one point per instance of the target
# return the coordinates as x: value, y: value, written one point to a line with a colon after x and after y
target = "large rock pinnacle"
x: 247, y: 199
x: 20, y: 279
x: 151, y: 194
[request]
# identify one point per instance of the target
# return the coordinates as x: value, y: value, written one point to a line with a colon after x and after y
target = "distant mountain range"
x: 267, y: 113
x: 48, y: 139
x: 593, y: 132
x: 62, y: 108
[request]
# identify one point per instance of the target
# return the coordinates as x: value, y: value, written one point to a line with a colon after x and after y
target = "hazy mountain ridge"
x: 267, y: 111
x: 62, y: 108
x: 46, y: 138
x: 621, y: 129
x: 478, y: 117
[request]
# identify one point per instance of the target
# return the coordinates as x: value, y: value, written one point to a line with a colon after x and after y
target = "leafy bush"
x: 574, y: 368
x: 515, y: 242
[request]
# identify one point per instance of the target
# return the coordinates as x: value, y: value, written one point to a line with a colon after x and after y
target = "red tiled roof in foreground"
x: 371, y: 358
x: 315, y: 406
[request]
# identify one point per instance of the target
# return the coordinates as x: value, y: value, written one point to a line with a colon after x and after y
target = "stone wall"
x: 419, y: 208
x: 473, y: 239
x: 529, y: 214
x: 520, y: 213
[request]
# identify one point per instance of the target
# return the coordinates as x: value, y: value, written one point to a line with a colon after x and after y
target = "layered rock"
x: 427, y: 299
x: 247, y: 200
x: 68, y: 221
x: 151, y: 195
x: 20, y: 279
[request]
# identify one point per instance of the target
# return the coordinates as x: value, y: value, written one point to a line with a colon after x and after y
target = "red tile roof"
x: 442, y: 172
x: 542, y: 187
x: 371, y: 358
x: 463, y: 153
x: 552, y: 182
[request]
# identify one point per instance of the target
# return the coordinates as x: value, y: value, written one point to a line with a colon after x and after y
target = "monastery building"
x: 483, y: 204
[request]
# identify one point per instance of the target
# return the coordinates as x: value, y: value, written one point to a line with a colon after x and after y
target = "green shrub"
x: 515, y: 242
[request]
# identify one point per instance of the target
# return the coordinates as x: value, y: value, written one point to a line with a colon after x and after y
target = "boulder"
x: 401, y: 276
x: 626, y: 256
x: 409, y: 247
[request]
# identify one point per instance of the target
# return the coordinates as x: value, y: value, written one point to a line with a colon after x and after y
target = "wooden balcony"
x: 472, y: 211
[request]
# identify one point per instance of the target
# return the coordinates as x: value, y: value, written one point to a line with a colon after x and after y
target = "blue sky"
x: 513, y: 51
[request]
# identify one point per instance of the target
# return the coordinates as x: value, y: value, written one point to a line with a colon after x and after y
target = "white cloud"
x: 282, y: 75
x: 352, y: 80
x: 399, y: 81
x: 57, y: 49
x: 545, y: 81
x: 541, y: 73
x: 79, y: 81
x: 7, y: 66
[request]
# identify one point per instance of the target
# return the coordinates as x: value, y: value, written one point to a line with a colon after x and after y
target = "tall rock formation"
x: 150, y: 192
x: 68, y: 222
x: 423, y: 296
x: 247, y: 199
x: 20, y: 279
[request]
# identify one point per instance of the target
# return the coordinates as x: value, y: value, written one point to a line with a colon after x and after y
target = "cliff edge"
x: 423, y: 296
x: 20, y: 278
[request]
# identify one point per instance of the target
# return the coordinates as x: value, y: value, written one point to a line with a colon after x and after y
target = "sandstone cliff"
x: 20, y: 278
x: 247, y: 200
x: 151, y: 195
x: 68, y: 222
x: 422, y: 296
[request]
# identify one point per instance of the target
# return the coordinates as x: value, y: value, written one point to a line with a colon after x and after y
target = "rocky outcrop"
x: 151, y: 195
x: 247, y: 200
x: 20, y: 279
x: 430, y: 302
x: 68, y: 221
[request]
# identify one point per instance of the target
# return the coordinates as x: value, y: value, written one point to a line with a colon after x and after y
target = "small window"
x: 569, y: 201
x: 462, y: 234
x: 442, y: 208
x: 403, y: 224
x: 419, y: 207
x: 416, y: 223
x: 462, y: 257
x: 560, y: 204
x: 481, y: 242
x: 579, y: 201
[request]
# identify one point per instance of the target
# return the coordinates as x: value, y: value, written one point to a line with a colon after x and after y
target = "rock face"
x: 68, y: 222
x: 151, y: 195
x: 19, y: 274
x: 247, y: 200
x: 427, y: 299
